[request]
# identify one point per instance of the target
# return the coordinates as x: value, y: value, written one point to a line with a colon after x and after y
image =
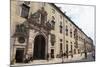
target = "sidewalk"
x: 52, y: 61
x: 76, y: 58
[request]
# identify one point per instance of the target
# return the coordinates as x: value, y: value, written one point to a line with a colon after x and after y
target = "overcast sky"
x: 83, y: 16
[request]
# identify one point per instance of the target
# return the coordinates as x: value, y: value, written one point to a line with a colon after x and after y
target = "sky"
x: 82, y: 16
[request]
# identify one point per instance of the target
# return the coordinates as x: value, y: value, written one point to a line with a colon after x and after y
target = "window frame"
x: 28, y: 9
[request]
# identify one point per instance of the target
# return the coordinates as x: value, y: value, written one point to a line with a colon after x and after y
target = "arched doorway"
x: 39, y: 47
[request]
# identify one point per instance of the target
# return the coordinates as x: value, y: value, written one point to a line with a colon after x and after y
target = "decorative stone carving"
x: 34, y: 18
x: 39, y: 20
x: 39, y: 16
x: 43, y: 15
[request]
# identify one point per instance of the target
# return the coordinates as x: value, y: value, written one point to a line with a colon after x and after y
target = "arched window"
x: 66, y: 30
x: 60, y: 27
x: 70, y: 32
x: 53, y: 24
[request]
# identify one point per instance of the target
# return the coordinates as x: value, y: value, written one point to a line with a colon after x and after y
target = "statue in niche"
x: 43, y: 15
x: 39, y: 16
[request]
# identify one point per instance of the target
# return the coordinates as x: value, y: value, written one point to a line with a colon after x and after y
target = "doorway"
x: 39, y: 47
x: 19, y: 55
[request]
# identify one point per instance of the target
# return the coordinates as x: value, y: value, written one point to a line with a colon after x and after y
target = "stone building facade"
x: 41, y: 31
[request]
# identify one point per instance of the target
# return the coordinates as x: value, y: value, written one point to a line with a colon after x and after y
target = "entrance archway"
x: 39, y: 47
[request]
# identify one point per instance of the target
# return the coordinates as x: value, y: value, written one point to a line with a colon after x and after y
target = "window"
x: 53, y: 11
x: 52, y: 39
x: 60, y: 47
x: 52, y: 43
x: 70, y: 32
x: 20, y: 28
x: 60, y: 23
x: 82, y: 40
x: 60, y: 27
x: 79, y: 38
x: 71, y: 46
x: 71, y: 49
x: 53, y: 24
x: 70, y: 24
x: 25, y: 11
x: 71, y: 43
x: 66, y: 31
x: 66, y: 42
x: 43, y: 4
x: 78, y: 51
x: 74, y: 33
x: 61, y: 16
x: 17, y: 28
x: 74, y: 51
x: 52, y: 53
x: 66, y: 21
x: 67, y: 48
x: 60, y: 40
x: 53, y: 18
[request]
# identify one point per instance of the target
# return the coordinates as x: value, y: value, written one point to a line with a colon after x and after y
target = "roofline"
x: 67, y: 18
